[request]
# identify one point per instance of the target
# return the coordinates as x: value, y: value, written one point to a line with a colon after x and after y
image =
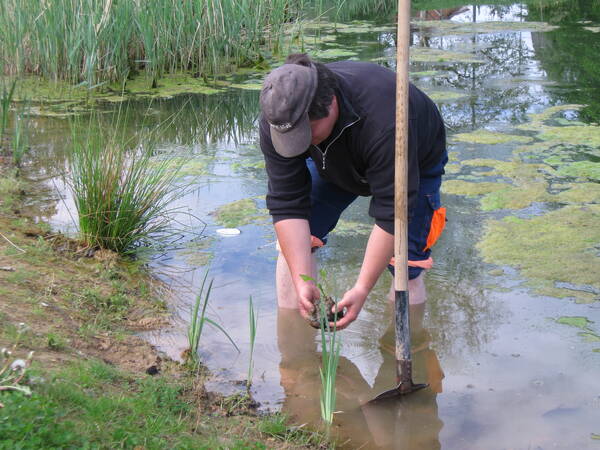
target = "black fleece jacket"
x: 358, y: 156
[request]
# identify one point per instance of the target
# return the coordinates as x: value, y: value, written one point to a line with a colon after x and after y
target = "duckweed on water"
x: 575, y: 321
x: 544, y: 247
x: 247, y: 86
x: 471, y: 189
x: 581, y: 169
x: 433, y: 55
x: 513, y: 197
x: 187, y: 166
x: 447, y: 27
x: 167, y: 86
x: 490, y: 138
x: 253, y: 165
x: 239, y: 213
x: 580, y: 193
x: 515, y: 170
x: 424, y: 73
x: 196, y: 252
x: 588, y: 336
x: 333, y: 53
x: 448, y: 96
x: 349, y: 228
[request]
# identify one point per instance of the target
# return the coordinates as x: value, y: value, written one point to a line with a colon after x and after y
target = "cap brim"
x: 292, y: 142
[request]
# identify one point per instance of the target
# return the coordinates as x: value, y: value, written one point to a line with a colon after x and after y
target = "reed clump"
x: 123, y: 194
x: 93, y: 42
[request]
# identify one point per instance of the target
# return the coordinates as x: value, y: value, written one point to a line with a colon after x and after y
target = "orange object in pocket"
x: 438, y: 222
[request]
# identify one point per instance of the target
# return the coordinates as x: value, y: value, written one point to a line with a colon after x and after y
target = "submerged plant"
x: 253, y: 320
x: 122, y: 194
x: 198, y: 320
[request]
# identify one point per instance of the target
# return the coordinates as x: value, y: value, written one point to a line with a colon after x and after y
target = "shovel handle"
x: 403, y: 358
x: 401, y: 149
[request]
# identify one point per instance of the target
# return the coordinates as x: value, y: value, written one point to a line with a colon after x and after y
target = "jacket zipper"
x: 324, y: 153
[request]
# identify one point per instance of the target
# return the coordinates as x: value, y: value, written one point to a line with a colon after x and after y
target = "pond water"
x: 509, y: 360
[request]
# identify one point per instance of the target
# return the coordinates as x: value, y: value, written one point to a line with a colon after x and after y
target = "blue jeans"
x: 328, y: 201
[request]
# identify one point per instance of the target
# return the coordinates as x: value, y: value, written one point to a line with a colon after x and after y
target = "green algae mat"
x: 556, y: 246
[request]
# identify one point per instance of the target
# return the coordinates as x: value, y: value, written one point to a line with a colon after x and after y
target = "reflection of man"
x: 411, y: 422
x: 327, y: 134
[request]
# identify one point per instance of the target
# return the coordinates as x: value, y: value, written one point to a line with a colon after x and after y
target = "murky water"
x: 502, y: 372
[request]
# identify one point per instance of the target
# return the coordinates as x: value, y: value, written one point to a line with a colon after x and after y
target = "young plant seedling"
x: 325, y: 308
x: 330, y: 356
x: 198, y: 320
x: 253, y: 322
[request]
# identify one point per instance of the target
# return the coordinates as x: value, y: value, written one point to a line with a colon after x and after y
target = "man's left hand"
x: 353, y: 300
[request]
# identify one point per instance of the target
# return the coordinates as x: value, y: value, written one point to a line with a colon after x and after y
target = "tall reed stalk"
x: 198, y: 320
x: 253, y: 322
x: 98, y: 41
x: 122, y: 194
x: 5, y: 102
x: 20, y: 141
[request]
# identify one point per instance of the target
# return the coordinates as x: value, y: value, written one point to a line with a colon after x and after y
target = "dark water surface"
x: 502, y: 372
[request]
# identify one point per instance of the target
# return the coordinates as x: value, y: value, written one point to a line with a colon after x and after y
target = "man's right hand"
x: 307, y: 294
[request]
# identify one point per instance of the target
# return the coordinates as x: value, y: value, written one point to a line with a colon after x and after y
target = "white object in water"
x: 228, y: 231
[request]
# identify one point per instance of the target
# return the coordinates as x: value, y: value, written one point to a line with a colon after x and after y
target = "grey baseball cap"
x: 284, y: 100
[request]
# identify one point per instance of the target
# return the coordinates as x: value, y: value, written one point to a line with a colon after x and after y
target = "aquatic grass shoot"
x: 253, y: 322
x: 122, y: 194
x: 330, y: 356
x: 198, y: 320
x: 330, y: 352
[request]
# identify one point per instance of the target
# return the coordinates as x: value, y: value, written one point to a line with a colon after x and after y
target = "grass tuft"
x: 122, y: 196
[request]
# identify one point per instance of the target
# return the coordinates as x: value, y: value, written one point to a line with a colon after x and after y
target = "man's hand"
x: 307, y: 294
x: 353, y: 300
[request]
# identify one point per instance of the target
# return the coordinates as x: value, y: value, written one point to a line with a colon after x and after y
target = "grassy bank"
x: 94, y: 383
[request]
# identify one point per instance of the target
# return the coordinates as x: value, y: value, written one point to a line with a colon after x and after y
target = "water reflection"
x: 411, y: 422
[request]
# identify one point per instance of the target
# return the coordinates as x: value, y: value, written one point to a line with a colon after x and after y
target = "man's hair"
x: 326, y: 85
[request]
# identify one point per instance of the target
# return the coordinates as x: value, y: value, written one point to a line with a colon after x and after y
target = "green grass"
x: 94, y: 404
x: 93, y: 42
x: 276, y: 426
x: 121, y: 194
